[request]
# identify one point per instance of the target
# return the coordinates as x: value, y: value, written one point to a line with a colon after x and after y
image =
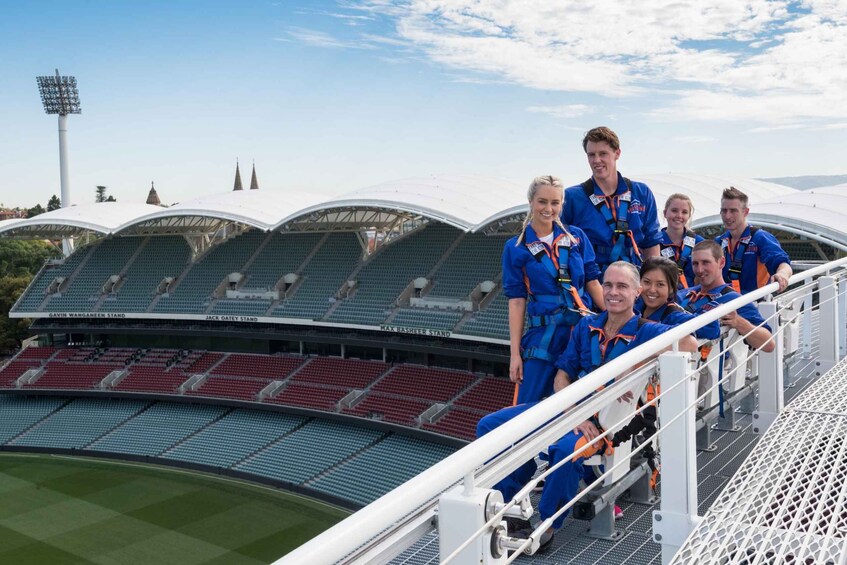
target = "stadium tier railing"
x: 457, y: 491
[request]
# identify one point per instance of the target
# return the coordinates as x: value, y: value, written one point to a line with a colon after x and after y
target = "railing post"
x: 806, y: 322
x: 842, y: 317
x: 678, y: 514
x: 771, y: 395
x: 829, y: 332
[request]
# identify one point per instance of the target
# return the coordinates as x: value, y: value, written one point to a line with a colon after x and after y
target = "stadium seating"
x: 67, y: 375
x: 79, y: 423
x: 108, y: 258
x: 236, y: 388
x: 161, y: 257
x: 257, y: 366
x: 157, y: 428
x: 396, y: 394
x: 474, y: 260
x: 17, y: 413
x: 356, y: 480
x: 326, y: 271
x: 493, y: 321
x: 309, y: 450
x: 152, y: 379
x: 232, y: 438
x: 390, y: 271
x: 438, y: 385
x: 34, y: 294
x: 192, y: 294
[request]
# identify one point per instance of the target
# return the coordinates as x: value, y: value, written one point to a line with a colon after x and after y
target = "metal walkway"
x: 635, y: 546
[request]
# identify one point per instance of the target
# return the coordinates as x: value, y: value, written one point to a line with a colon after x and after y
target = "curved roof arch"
x: 458, y: 200
x: 819, y: 214
x: 101, y: 218
x: 256, y: 208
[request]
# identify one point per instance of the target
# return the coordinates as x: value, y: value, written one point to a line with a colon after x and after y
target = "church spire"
x: 254, y: 183
x: 153, y: 196
x: 237, y: 185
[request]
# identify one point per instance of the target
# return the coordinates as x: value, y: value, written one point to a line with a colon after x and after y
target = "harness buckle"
x: 621, y: 226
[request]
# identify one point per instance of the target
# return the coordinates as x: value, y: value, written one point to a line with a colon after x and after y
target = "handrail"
x: 336, y: 543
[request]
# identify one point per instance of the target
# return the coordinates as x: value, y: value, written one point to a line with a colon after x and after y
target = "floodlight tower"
x: 60, y: 96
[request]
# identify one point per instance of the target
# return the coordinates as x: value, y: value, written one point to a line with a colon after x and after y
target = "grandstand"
x: 298, y: 342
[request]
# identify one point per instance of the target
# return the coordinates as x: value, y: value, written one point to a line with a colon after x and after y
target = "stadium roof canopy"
x: 75, y: 221
x: 819, y: 214
x: 469, y: 203
x: 460, y: 201
x: 260, y: 209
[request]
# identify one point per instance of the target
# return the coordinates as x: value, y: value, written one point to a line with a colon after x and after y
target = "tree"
x: 111, y: 199
x: 24, y: 257
x: 12, y: 330
x: 101, y: 194
x: 54, y: 203
x: 35, y: 210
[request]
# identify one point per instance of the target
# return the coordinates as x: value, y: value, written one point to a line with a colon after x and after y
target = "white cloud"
x: 759, y: 60
x: 321, y: 39
x: 564, y: 111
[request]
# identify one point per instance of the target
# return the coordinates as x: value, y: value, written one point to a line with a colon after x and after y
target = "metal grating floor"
x: 788, y: 502
x: 715, y: 471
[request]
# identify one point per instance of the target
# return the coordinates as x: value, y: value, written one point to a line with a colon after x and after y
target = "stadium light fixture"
x: 60, y: 96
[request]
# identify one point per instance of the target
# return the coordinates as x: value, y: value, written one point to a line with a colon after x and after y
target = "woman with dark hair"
x: 659, y: 280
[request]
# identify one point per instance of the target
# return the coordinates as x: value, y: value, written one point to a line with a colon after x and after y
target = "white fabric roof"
x: 102, y: 217
x: 258, y: 208
x: 467, y: 202
x: 462, y: 201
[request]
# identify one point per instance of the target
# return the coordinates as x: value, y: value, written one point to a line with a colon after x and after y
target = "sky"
x: 332, y: 96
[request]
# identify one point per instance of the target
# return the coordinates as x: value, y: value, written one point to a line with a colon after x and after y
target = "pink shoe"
x: 618, y: 512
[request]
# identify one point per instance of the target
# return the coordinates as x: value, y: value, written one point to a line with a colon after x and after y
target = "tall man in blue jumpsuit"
x: 618, y: 215
x: 753, y: 256
x: 595, y: 340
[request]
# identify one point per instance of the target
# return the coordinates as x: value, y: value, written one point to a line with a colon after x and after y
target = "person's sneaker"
x: 539, y: 486
x: 514, y: 525
x: 546, y: 540
x: 618, y: 512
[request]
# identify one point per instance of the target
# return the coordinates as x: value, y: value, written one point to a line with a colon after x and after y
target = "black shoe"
x: 514, y: 525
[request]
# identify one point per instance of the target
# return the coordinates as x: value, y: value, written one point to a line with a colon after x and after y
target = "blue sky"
x: 331, y: 96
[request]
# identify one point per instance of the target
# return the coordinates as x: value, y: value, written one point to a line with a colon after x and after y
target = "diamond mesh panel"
x: 788, y: 501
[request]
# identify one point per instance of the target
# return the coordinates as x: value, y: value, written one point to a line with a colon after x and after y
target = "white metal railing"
x: 385, y: 527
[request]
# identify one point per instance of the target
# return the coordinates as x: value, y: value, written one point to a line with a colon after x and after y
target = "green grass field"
x: 64, y: 510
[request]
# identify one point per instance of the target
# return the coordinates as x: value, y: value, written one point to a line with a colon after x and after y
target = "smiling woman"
x: 61, y: 510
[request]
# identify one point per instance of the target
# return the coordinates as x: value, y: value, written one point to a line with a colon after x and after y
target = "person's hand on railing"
x: 781, y: 279
x: 588, y: 430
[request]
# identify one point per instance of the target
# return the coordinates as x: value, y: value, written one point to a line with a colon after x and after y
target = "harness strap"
x: 615, y: 212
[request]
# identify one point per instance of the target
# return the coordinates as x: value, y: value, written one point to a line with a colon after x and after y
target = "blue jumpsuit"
x: 561, y: 485
x: 680, y: 254
x: 642, y: 220
x: 693, y: 300
x: 527, y: 274
x: 675, y: 316
x: 752, y: 259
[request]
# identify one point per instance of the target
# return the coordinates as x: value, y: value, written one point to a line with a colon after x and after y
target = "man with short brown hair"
x: 618, y: 215
x: 753, y: 256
